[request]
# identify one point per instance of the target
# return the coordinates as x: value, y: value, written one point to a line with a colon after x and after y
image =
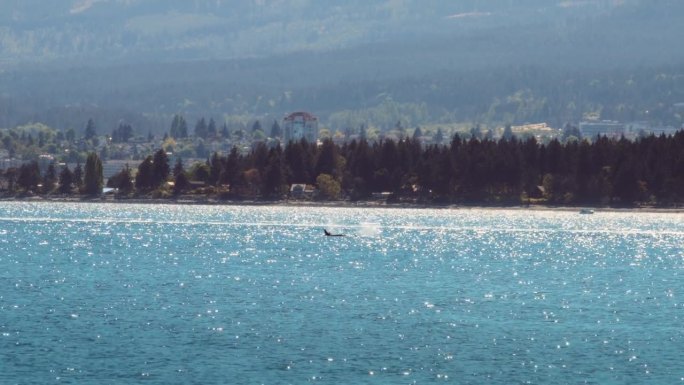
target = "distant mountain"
x: 124, y: 31
x: 63, y: 61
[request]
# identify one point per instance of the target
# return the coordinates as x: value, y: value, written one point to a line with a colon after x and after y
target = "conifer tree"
x: 417, y: 133
x: 256, y: 126
x: 70, y: 135
x: 92, y: 177
x: 28, y: 177
x: 179, y: 127
x: 507, y: 133
x: 211, y: 129
x: 273, y: 176
x: 215, y: 168
x: 439, y: 136
x: 122, y: 180
x: 65, y: 180
x: 144, y: 177
x: 201, y: 130
x: 90, y: 131
x: 178, y: 167
x: 160, y: 168
x: 181, y: 183
x: 276, y: 131
x: 49, y: 178
x: 78, y: 176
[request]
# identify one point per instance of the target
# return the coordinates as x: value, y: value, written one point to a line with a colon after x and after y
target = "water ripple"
x: 213, y: 294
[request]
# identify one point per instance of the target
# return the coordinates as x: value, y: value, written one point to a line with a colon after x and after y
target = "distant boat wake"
x: 369, y: 230
x: 364, y: 230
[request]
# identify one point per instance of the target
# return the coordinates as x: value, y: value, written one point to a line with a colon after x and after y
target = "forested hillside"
x: 131, y: 30
x: 349, y: 62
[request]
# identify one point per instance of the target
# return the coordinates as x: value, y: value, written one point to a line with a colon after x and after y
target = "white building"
x: 609, y: 128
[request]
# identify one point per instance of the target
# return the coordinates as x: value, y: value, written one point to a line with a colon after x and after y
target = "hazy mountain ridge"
x: 139, y: 30
x: 145, y: 60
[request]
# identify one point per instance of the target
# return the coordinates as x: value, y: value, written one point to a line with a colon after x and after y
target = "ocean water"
x: 176, y: 294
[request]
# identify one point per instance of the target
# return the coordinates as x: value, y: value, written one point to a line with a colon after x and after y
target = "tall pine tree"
x: 93, y: 177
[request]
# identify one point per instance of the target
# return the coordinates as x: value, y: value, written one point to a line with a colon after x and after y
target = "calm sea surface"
x: 166, y: 294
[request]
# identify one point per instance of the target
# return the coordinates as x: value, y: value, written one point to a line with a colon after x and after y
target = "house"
x: 609, y: 128
x: 538, y: 192
x: 6, y: 162
x: 302, y: 191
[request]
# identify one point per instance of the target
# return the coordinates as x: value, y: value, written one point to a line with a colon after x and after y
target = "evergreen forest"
x: 469, y: 171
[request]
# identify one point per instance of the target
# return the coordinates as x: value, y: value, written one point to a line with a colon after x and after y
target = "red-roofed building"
x: 300, y: 125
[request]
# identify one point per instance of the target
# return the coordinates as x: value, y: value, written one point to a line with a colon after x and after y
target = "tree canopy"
x: 93, y: 177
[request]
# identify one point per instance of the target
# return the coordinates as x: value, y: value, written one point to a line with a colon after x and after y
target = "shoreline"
x: 338, y: 204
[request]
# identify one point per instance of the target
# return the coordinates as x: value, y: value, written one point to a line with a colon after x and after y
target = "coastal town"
x: 298, y: 158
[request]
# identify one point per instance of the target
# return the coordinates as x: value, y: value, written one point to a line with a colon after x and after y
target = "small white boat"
x: 586, y: 211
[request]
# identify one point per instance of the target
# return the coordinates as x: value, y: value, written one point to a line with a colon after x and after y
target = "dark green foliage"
x: 439, y: 136
x: 201, y: 129
x: 225, y: 133
x: 417, y: 133
x: 476, y: 132
x: 29, y: 176
x: 144, y: 179
x: 10, y: 176
x: 50, y: 178
x: 276, y: 131
x: 256, y: 126
x: 200, y: 172
x: 152, y: 171
x: 570, y: 131
x: 90, y: 131
x: 179, y: 127
x: 606, y: 171
x: 178, y: 167
x: 122, y: 133
x: 211, y: 129
x: 230, y: 171
x: 92, y: 177
x: 214, y: 169
x: 181, y: 183
x: 78, y: 176
x: 508, y: 132
x: 70, y: 135
x: 123, y: 180
x: 160, y: 168
x: 327, y: 158
x: 258, y: 158
x: 299, y: 158
x: 201, y: 150
x: 7, y: 142
x: 104, y: 153
x: 66, y: 179
x: 274, y: 177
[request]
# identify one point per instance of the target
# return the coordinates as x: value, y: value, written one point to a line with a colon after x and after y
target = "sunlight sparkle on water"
x: 173, y: 294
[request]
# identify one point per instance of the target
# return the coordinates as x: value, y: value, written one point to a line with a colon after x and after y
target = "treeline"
x: 466, y: 171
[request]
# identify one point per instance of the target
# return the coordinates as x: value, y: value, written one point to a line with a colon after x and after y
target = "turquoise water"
x: 165, y: 294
